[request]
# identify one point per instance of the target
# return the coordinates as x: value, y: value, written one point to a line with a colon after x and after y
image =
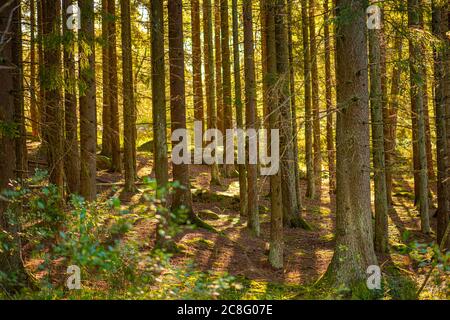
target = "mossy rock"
x: 146, y: 147
x: 208, y: 215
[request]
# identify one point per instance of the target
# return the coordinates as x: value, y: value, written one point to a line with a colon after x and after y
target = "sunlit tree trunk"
x: 182, y: 196
x: 276, y: 219
x: 226, y: 78
x: 440, y: 26
x: 329, y: 99
x: 310, y: 176
x: 106, y: 107
x: 416, y: 67
x: 113, y: 88
x: 72, y: 151
x: 51, y: 70
x: 129, y: 108
x: 158, y: 93
x: 354, y: 250
x: 376, y: 107
x: 315, y: 95
x: 197, y: 62
x: 218, y: 58
x: 238, y: 102
x: 251, y: 115
x: 87, y: 100
x: 209, y: 78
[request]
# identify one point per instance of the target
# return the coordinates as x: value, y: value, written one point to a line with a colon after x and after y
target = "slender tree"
x: 417, y: 79
x: 182, y: 196
x: 158, y: 93
x: 291, y: 205
x: 310, y: 175
x: 293, y: 96
x: 218, y: 58
x: 440, y: 26
x: 276, y: 220
x: 129, y: 108
x: 11, y: 262
x: 209, y: 78
x: 329, y: 99
x: 354, y: 235
x: 71, y: 150
x: 87, y: 100
x: 34, y: 116
x: 51, y: 13
x: 106, y: 107
x: 251, y: 116
x: 197, y: 62
x: 113, y: 88
x: 238, y: 102
x: 315, y: 95
x: 226, y: 78
x: 376, y: 107
x: 390, y: 116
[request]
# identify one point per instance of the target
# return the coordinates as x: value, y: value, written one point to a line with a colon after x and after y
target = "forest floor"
x: 307, y: 253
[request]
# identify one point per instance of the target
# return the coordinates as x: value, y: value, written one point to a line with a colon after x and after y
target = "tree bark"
x: 197, y: 62
x: 354, y: 250
x: 226, y: 79
x: 238, y: 97
x: 329, y: 100
x: 182, y: 196
x: 51, y: 72
x: 209, y: 78
x: 218, y: 56
x: 310, y: 175
x: 11, y: 261
x: 129, y: 108
x: 315, y: 96
x: 113, y: 88
x: 33, y: 99
x: 276, y: 220
x: 417, y: 79
x: 251, y: 116
x: 158, y: 94
x: 106, y: 107
x: 376, y: 104
x: 87, y: 100
x: 72, y: 151
x: 440, y: 26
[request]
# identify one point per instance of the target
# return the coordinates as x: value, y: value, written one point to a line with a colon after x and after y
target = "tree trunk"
x: 310, y: 176
x: 113, y: 88
x: 293, y: 103
x: 276, y: 222
x: 238, y: 100
x: 291, y: 214
x: 209, y: 78
x: 51, y: 13
x: 226, y: 79
x: 129, y: 108
x: 390, y: 118
x: 11, y: 262
x: 417, y: 93
x: 34, y: 117
x: 88, y: 111
x: 218, y: 48
x: 354, y: 250
x: 315, y: 96
x: 329, y: 100
x: 158, y: 94
x: 72, y: 151
x: 251, y: 117
x: 182, y: 196
x: 197, y: 62
x: 106, y: 108
x: 376, y: 104
x: 440, y: 26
